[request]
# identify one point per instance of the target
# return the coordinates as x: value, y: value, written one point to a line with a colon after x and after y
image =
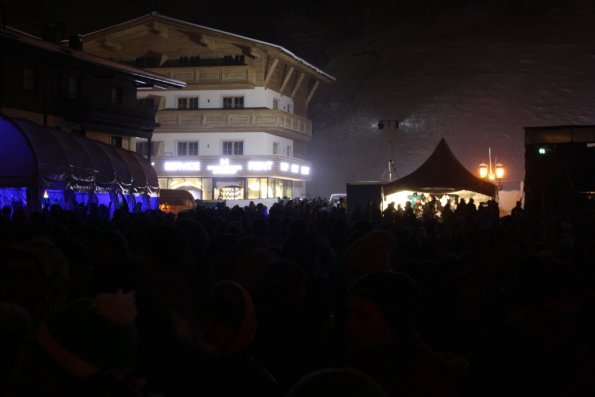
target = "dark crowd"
x: 299, y: 299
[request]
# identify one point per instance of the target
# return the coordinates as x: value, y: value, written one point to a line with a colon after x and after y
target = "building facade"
x: 239, y: 130
x: 65, y: 119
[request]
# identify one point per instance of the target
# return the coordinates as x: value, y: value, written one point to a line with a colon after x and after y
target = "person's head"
x: 34, y: 274
x: 226, y: 319
x: 369, y: 253
x: 89, y: 336
x: 381, y: 311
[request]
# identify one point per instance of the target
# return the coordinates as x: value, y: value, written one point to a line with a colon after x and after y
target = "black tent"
x: 441, y: 173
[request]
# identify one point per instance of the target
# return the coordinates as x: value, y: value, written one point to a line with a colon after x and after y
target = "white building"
x: 239, y: 130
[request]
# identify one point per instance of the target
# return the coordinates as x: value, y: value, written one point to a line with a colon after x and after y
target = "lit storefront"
x: 234, y: 178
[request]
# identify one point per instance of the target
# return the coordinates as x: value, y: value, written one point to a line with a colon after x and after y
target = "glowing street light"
x: 499, y: 171
x: 493, y: 174
x: 483, y: 170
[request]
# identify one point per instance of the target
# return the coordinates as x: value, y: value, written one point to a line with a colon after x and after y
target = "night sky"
x: 474, y: 72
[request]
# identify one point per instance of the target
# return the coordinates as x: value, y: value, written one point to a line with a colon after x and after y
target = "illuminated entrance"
x: 229, y: 189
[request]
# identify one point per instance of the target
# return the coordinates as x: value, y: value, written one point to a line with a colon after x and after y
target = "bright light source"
x: 483, y: 170
x: 542, y: 150
x: 181, y: 166
x: 499, y: 171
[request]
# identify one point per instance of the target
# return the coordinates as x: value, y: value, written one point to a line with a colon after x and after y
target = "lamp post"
x: 391, y: 164
x: 493, y: 174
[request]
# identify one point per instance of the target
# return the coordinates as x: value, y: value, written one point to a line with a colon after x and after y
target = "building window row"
x: 188, y: 102
x: 229, y: 102
x: 233, y: 148
x: 233, y: 102
x: 188, y: 148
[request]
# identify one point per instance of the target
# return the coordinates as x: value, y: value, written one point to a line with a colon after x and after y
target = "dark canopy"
x: 441, y: 173
x: 39, y: 157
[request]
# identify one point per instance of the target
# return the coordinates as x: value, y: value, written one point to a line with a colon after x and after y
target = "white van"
x: 334, y: 199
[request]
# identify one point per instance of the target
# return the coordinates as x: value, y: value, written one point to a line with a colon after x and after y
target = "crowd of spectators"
x: 299, y: 299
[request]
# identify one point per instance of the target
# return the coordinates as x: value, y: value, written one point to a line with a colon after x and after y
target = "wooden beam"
x: 246, y: 51
x: 159, y: 29
x: 286, y: 79
x: 312, y: 91
x: 270, y: 72
x: 111, y: 44
x: 298, y: 84
x: 197, y: 38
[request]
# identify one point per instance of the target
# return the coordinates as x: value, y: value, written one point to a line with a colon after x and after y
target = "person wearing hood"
x: 383, y: 343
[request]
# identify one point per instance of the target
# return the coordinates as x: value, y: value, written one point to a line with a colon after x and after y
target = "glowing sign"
x: 294, y: 168
x: 260, y: 165
x: 224, y: 168
x: 181, y: 166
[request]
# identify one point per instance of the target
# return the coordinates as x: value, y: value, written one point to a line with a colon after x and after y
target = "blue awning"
x: 47, y: 158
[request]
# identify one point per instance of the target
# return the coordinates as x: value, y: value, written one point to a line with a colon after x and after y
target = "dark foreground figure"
x: 299, y: 300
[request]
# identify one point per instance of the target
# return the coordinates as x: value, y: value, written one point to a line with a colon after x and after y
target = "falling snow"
x: 475, y: 77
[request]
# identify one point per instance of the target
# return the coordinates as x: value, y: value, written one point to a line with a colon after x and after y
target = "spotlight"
x: 380, y: 125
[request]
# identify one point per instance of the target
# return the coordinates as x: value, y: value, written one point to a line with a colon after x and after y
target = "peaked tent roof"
x: 442, y: 172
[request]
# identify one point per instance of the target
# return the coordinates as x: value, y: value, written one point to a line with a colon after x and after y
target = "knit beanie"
x: 228, y: 303
x: 88, y: 336
x: 370, y: 253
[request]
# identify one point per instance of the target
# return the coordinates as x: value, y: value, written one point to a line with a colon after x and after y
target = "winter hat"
x: 228, y: 303
x: 370, y: 253
x: 91, y: 335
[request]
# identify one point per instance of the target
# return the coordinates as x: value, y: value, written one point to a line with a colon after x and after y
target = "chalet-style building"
x: 66, y: 117
x: 239, y: 130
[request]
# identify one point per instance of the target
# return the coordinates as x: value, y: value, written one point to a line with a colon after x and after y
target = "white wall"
x: 258, y: 97
x: 209, y: 144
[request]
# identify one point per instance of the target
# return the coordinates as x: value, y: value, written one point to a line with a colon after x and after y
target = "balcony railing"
x: 227, y: 120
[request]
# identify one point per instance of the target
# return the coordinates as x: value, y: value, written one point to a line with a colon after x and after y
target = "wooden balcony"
x: 211, y: 76
x: 272, y: 121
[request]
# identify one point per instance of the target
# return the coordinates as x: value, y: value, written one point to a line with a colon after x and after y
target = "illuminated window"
x: 188, y: 102
x: 188, y: 148
x: 233, y: 102
x: 233, y: 148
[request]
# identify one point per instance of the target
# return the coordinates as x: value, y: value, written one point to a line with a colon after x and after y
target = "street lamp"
x: 493, y: 174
